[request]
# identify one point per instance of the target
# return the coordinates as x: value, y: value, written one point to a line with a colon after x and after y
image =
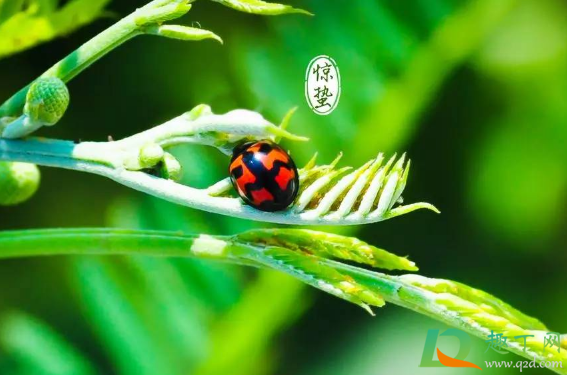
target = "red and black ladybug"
x: 264, y: 175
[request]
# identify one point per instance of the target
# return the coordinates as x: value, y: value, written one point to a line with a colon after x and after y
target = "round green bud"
x: 47, y: 100
x: 171, y: 168
x: 18, y: 182
x: 150, y: 155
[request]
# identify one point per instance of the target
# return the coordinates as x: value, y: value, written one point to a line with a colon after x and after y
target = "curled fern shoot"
x: 327, y: 195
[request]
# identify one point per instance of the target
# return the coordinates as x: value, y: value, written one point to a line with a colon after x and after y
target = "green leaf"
x: 261, y: 7
x: 311, y: 270
x: 38, y: 349
x: 45, y: 6
x: 10, y: 7
x: 28, y: 28
x: 115, y: 309
x: 183, y: 33
x: 328, y: 245
x: 239, y: 338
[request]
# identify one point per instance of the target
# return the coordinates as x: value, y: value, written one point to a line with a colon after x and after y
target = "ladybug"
x: 264, y: 175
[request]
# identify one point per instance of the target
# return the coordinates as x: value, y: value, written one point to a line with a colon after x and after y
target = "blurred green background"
x: 474, y: 90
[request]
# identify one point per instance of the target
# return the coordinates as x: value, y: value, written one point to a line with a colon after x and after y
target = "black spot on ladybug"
x: 239, y: 149
x: 264, y: 175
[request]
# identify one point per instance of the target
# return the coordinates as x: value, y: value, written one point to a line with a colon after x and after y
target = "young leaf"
x: 261, y: 7
x: 327, y: 245
x: 182, y: 32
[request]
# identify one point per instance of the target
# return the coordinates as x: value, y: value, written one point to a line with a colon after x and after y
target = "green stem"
x: 455, y: 304
x: 122, y: 31
x: 107, y: 159
x: 57, y: 153
x: 97, y: 242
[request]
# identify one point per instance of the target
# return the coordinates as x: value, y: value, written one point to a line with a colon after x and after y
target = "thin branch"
x: 456, y: 304
x: 127, y: 28
x: 368, y: 194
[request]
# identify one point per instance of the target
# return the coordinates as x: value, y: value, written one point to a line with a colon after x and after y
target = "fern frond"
x: 331, y: 196
x: 327, y: 245
x: 328, y: 195
x: 304, y: 255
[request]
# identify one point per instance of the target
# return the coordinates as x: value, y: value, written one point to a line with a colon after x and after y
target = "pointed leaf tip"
x: 280, y: 133
x: 180, y: 32
x: 262, y: 7
x: 285, y: 122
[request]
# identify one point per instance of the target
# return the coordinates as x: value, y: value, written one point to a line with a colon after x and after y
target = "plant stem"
x: 99, y: 242
x: 63, y: 154
x: 100, y: 45
x: 455, y: 304
x: 107, y: 159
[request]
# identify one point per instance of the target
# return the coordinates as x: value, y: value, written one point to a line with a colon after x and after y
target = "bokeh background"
x: 474, y: 90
